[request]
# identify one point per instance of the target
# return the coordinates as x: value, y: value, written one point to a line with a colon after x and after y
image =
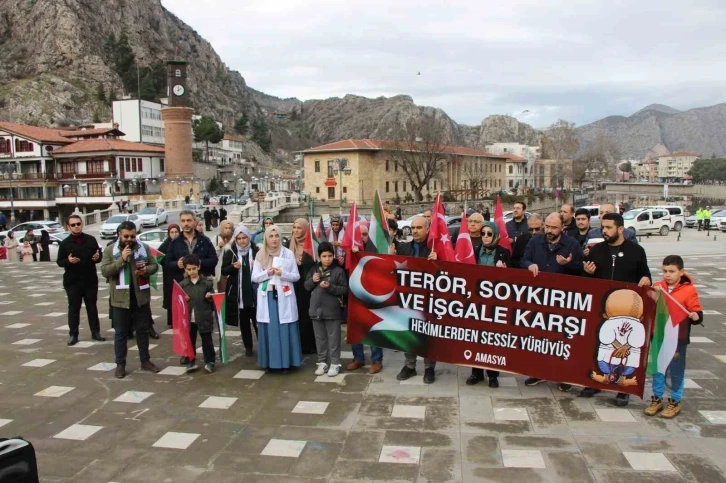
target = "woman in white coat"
x: 222, y: 243
x: 275, y: 270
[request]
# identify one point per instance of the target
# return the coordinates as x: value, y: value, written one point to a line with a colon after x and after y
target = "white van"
x: 648, y: 220
x: 677, y: 215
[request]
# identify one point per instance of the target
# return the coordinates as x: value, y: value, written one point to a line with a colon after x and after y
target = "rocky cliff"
x: 701, y: 131
x: 54, y: 59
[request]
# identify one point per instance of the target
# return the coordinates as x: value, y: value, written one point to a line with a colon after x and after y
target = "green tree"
x: 111, y: 94
x: 261, y: 134
x: 206, y: 130
x: 294, y: 115
x: 101, y: 92
x: 125, y: 63
x: 241, y: 125
x: 215, y: 187
x: 708, y: 170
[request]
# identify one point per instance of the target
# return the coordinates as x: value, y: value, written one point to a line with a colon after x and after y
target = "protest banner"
x: 561, y: 328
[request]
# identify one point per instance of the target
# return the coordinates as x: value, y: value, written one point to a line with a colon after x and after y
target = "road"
x: 242, y: 424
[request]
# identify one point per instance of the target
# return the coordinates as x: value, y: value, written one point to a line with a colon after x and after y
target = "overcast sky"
x: 580, y: 61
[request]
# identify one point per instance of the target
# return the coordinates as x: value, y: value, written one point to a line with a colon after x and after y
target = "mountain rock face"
x: 701, y: 131
x: 53, y: 59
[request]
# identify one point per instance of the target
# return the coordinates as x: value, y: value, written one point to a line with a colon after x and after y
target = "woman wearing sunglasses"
x: 490, y: 254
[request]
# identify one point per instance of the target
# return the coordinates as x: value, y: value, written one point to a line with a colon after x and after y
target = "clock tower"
x: 179, y: 168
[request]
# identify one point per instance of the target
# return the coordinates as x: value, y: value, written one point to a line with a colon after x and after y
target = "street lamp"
x: 342, y: 168
x: 10, y: 169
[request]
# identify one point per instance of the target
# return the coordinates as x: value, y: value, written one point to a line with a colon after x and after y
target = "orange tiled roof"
x: 91, y: 132
x: 40, y: 134
x: 97, y: 145
x: 234, y: 137
x: 378, y: 145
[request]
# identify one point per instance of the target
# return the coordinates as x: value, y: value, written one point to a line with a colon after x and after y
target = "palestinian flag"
x: 159, y: 257
x: 310, y: 245
x: 221, y: 306
x: 378, y: 230
x: 668, y: 315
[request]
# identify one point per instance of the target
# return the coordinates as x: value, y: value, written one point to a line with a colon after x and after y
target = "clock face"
x: 178, y: 90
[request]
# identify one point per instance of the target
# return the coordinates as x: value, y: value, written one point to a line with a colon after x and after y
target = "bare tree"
x: 477, y: 176
x: 420, y: 148
x: 560, y: 143
x: 597, y: 162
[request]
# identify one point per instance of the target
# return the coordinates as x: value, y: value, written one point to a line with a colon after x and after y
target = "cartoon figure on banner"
x: 621, y: 336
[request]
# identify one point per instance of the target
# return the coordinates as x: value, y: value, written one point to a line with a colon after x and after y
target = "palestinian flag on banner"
x: 668, y: 315
x: 310, y: 245
x: 221, y: 306
x: 378, y: 230
x: 159, y: 257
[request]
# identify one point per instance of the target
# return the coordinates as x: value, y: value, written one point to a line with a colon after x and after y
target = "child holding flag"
x: 327, y: 282
x: 679, y: 285
x: 201, y: 309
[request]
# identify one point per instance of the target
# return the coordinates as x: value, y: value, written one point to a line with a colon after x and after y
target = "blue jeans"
x: 359, y: 355
x: 678, y: 370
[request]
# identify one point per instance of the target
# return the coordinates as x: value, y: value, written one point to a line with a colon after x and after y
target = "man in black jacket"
x: 207, y: 220
x: 190, y: 241
x: 552, y: 252
x: 568, y: 219
x: 616, y: 259
x: 417, y: 247
x: 534, y: 225
x: 517, y: 226
x: 78, y: 254
x: 222, y: 214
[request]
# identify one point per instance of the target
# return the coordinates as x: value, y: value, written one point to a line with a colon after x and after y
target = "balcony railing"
x: 29, y: 177
x: 100, y: 175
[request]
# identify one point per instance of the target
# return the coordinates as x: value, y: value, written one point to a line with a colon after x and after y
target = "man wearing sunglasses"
x: 534, y: 227
x: 78, y: 254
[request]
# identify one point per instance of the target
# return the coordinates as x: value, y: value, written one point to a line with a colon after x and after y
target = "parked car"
x: 153, y: 216
x: 55, y: 240
x: 196, y: 208
x: 691, y: 221
x: 243, y: 199
x: 405, y: 225
x: 644, y: 221
x: 508, y: 215
x: 716, y: 218
x: 108, y: 229
x: 153, y: 238
x: 50, y: 226
x: 345, y: 218
x: 677, y: 215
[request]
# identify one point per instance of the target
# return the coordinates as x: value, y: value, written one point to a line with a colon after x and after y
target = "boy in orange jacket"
x: 680, y: 286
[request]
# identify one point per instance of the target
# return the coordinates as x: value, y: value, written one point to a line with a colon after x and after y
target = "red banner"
x: 576, y: 330
x: 180, y: 323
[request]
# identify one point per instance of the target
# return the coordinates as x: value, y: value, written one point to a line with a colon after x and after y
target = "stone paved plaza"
x: 244, y: 425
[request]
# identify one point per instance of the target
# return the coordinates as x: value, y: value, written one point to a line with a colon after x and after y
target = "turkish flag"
x: 439, y: 239
x: 351, y: 236
x: 499, y: 220
x: 464, y: 247
x: 180, y: 323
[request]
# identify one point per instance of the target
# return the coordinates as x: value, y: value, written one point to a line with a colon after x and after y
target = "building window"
x: 387, y: 186
x: 158, y: 132
x: 387, y: 166
x: 177, y: 73
x: 68, y: 168
x: 395, y: 165
x: 317, y: 189
x: 96, y: 189
x: 4, y: 146
x: 331, y: 192
x: 345, y: 190
x: 161, y: 165
x: 94, y: 167
x: 141, y: 165
x: 133, y: 164
x: 511, y: 168
x: 434, y: 185
x: 317, y: 166
x: 404, y: 186
x: 23, y: 146
x: 395, y: 186
x: 330, y: 169
x: 511, y: 183
x: 147, y: 130
x: 128, y: 164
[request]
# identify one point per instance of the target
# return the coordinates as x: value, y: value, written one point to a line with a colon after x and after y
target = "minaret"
x: 178, y: 135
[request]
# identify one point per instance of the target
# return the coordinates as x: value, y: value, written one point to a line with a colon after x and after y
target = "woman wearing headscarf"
x: 44, y: 246
x: 29, y: 239
x: 489, y: 254
x: 259, y: 236
x: 237, y: 264
x: 304, y: 263
x: 11, y: 243
x: 276, y: 272
x: 172, y: 232
x: 221, y: 242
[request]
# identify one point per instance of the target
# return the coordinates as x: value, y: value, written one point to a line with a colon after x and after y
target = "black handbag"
x: 17, y: 461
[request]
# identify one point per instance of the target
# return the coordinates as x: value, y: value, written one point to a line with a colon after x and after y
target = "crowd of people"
x: 287, y: 305
x: 28, y: 248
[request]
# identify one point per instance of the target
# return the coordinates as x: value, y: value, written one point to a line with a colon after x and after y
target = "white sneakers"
x: 322, y: 369
x: 334, y: 370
